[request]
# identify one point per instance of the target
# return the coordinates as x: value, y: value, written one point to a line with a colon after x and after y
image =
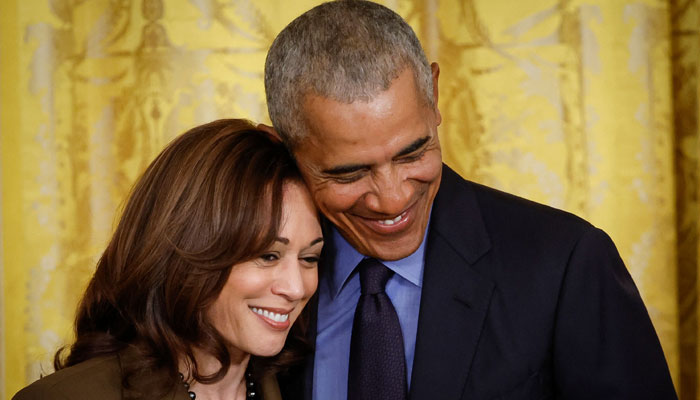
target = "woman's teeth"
x: 391, y: 221
x: 271, y: 315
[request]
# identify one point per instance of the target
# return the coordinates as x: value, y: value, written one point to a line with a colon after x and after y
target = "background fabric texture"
x: 586, y: 105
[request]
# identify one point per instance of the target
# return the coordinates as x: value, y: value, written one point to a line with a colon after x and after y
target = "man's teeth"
x: 271, y: 315
x: 391, y: 221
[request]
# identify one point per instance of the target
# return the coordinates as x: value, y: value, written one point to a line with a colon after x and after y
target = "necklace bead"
x: 250, y: 393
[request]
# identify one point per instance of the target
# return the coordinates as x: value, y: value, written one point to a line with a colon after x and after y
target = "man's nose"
x: 390, y: 192
x: 289, y: 282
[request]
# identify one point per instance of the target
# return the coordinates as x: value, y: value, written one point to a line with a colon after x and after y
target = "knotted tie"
x: 377, y: 363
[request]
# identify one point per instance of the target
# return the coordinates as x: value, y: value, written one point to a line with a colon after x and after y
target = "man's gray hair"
x: 348, y: 50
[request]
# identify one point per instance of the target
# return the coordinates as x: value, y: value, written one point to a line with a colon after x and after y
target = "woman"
x: 213, y: 260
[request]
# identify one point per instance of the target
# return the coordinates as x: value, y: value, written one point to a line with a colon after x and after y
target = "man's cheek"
x: 337, y: 199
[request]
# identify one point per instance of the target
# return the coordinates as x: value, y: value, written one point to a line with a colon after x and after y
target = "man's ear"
x: 435, y: 68
x: 270, y: 131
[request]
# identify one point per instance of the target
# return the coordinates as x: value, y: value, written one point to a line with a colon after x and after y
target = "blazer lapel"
x: 455, y: 298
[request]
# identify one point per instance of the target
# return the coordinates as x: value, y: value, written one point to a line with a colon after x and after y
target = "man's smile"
x: 391, y: 225
x: 392, y: 221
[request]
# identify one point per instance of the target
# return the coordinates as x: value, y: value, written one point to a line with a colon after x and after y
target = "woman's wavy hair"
x: 211, y: 199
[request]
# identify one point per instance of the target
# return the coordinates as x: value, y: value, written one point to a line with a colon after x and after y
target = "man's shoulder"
x: 502, y: 211
x: 95, y: 378
x: 476, y: 219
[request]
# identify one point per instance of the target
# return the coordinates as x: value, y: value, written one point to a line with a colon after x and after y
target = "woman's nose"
x: 289, y: 283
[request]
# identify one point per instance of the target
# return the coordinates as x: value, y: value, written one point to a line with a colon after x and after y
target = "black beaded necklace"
x: 250, y: 392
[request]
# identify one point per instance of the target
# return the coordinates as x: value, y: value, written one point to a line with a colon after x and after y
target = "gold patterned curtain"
x: 586, y: 105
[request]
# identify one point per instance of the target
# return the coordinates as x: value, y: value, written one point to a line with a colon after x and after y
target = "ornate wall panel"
x: 590, y: 106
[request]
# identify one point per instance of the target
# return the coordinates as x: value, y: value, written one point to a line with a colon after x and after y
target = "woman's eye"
x: 269, y: 257
x: 311, y: 259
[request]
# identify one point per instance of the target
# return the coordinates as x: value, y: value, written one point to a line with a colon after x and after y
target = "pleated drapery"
x: 590, y: 106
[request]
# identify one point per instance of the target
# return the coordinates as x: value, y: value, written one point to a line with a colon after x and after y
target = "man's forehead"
x: 365, y: 132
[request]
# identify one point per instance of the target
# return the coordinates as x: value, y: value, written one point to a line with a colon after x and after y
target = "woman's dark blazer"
x: 101, y: 379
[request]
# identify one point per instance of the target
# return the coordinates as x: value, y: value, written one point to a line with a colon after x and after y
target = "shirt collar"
x: 346, y: 259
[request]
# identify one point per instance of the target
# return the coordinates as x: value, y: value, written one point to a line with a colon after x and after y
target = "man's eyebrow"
x: 350, y: 168
x: 345, y: 169
x: 417, y: 144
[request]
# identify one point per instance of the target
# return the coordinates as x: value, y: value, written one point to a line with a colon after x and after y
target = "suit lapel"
x: 455, y: 298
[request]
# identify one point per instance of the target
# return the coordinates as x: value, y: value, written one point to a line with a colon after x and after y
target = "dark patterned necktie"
x: 377, y: 363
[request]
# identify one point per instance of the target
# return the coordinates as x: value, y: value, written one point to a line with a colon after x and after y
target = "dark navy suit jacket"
x: 522, y: 301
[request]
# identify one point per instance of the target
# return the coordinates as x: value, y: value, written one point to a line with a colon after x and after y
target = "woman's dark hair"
x: 211, y: 199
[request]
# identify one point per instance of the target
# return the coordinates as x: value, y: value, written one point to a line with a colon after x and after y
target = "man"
x: 496, y: 297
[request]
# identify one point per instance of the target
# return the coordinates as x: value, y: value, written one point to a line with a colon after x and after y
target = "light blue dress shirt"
x: 339, y: 291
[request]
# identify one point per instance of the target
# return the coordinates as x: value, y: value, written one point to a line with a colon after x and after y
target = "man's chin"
x: 386, y: 247
x: 391, y: 251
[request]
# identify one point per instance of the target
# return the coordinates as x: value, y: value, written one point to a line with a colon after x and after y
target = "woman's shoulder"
x: 97, y: 378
